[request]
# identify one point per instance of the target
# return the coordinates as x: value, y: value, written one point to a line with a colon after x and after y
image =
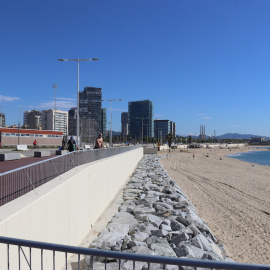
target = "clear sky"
x: 200, y: 61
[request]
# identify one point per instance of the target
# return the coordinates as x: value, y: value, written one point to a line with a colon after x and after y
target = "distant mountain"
x: 233, y: 136
x: 115, y: 133
x: 238, y: 136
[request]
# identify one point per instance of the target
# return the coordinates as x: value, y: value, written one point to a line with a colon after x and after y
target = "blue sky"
x: 200, y: 61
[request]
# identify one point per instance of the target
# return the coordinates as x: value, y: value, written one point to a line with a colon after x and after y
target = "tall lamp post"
x: 78, y: 115
x: 111, y: 100
x: 144, y: 118
x: 55, y: 87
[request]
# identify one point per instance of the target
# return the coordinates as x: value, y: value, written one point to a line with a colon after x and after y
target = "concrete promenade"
x: 27, y: 158
x: 64, y: 210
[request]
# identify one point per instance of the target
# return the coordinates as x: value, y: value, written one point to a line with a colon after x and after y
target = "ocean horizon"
x: 256, y: 157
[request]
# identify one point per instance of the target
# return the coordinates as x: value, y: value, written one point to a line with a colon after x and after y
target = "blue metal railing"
x: 120, y: 256
x: 18, y: 182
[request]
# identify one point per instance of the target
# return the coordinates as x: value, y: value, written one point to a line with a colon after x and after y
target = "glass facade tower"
x: 140, y: 119
x: 163, y: 127
x: 103, y: 121
x: 90, y: 113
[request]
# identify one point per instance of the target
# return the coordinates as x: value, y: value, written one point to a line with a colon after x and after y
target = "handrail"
x: 132, y: 256
x: 46, y: 160
x: 18, y: 182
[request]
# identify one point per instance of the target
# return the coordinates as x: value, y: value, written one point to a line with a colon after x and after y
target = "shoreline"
x: 230, y: 195
x: 254, y: 150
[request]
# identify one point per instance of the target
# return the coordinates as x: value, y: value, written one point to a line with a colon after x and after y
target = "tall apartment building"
x: 140, y: 119
x: 2, y: 120
x: 25, y: 117
x: 124, y: 123
x: 32, y: 119
x: 163, y: 127
x: 55, y: 120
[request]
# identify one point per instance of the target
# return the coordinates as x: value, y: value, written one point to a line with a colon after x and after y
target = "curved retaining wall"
x: 63, y: 210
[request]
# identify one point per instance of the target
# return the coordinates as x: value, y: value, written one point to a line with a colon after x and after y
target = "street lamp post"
x: 78, y: 115
x: 111, y: 100
x: 55, y: 87
x: 19, y: 133
x: 143, y: 118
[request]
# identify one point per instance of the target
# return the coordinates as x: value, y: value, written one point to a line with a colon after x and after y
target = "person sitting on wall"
x: 99, y: 142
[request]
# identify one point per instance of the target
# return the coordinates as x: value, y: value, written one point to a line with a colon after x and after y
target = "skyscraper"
x: 72, y: 121
x: 140, y: 118
x: 103, y: 121
x: 90, y: 113
x: 124, y: 123
x: 163, y: 127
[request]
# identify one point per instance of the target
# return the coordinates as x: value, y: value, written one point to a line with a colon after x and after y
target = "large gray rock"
x: 179, y: 238
x: 124, y: 218
x: 140, y: 236
x: 127, y: 207
x: 141, y: 227
x: 112, y: 241
x: 129, y: 265
x: 183, y: 251
x: 143, y: 250
x: 160, y: 233
x: 176, y: 226
x: 117, y: 227
x: 162, y: 249
x: 162, y: 206
x: 141, y: 209
x: 165, y: 227
x: 201, y: 242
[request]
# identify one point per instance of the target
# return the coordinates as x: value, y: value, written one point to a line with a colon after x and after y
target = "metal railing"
x: 18, y: 182
x: 149, y: 261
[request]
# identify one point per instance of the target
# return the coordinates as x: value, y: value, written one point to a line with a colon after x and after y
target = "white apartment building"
x: 55, y: 120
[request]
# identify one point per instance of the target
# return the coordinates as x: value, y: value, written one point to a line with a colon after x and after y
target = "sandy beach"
x: 230, y: 195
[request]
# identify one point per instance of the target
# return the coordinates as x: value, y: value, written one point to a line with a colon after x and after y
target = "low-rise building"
x: 15, y: 136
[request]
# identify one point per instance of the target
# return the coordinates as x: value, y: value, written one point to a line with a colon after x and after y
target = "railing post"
x: 29, y: 181
x: 56, y: 169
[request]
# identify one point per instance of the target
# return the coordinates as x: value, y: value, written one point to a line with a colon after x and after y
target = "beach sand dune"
x: 232, y: 196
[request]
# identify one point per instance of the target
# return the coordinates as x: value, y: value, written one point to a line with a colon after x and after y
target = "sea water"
x: 258, y: 157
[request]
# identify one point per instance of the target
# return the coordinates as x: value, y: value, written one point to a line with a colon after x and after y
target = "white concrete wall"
x: 179, y: 146
x: 63, y: 210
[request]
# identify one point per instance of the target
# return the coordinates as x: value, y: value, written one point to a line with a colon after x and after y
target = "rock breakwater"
x: 156, y: 218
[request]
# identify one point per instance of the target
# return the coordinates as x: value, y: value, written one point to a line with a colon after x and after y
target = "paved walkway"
x: 29, y: 158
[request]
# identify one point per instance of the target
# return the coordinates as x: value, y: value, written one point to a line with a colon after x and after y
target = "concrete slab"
x: 150, y: 150
x: 9, y: 156
x: 43, y: 153
x: 21, y: 147
x: 61, y: 152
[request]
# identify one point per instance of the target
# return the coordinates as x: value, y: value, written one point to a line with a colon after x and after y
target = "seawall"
x: 63, y: 210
